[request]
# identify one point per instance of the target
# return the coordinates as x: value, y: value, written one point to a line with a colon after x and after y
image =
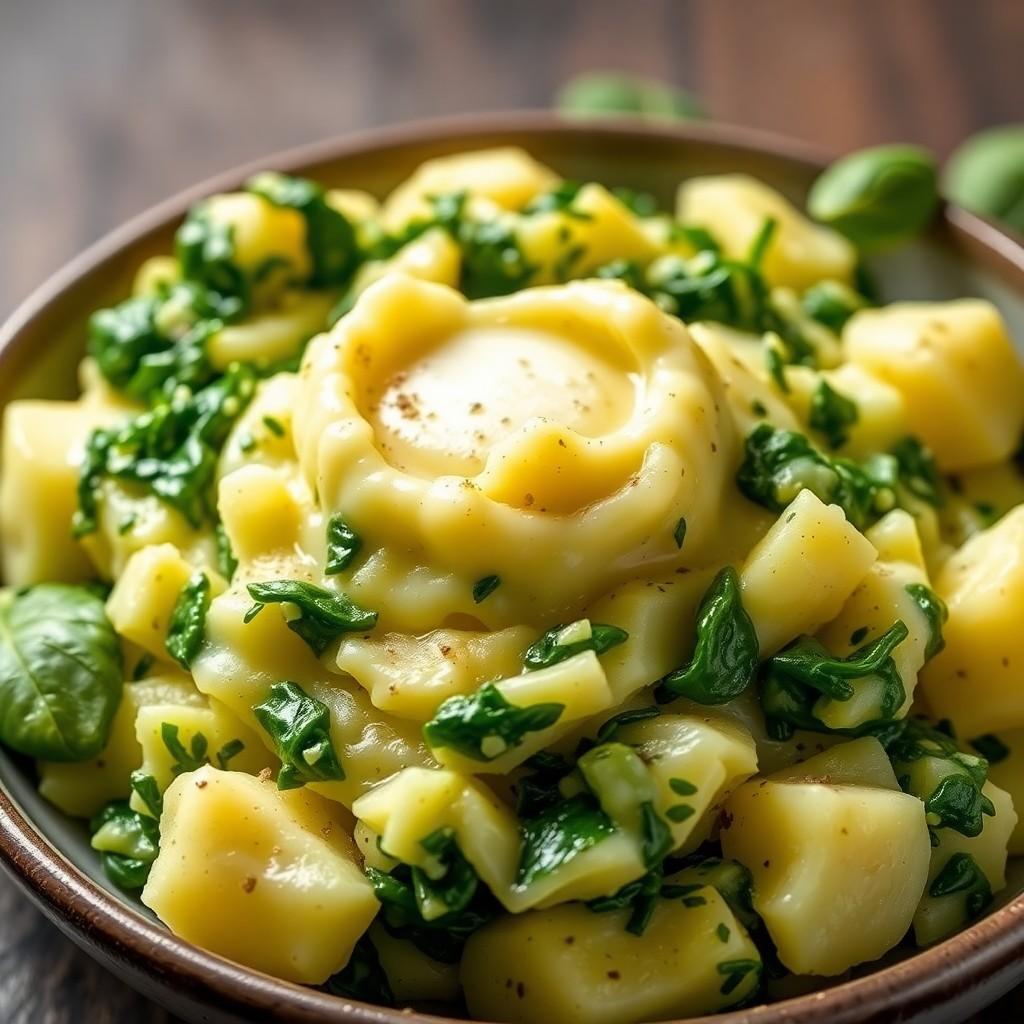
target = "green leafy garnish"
x: 484, y: 725
x: 560, y: 834
x: 832, y: 414
x: 185, y: 759
x: 362, y: 977
x: 609, y: 93
x: 226, y: 561
x: 128, y: 842
x: 343, y: 544
x: 725, y: 657
x: 230, y: 750
x: 961, y: 873
x: 299, y: 726
x: 206, y: 253
x: 609, y: 728
x: 735, y: 971
x: 679, y: 533
x: 985, y: 175
x: 640, y: 897
x: 935, y: 612
x: 148, y: 791
x: 832, y: 303
x: 567, y: 640
x: 804, y: 677
x: 322, y: 615
x: 991, y: 747
x: 61, y: 674
x: 187, y: 626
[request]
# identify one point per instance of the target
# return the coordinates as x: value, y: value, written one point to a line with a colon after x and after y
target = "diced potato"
x: 802, y: 572
x: 217, y: 727
x: 83, y: 788
x: 578, y: 684
x: 433, y: 256
x: 734, y: 207
x: 410, y: 676
x: 412, y: 975
x: 260, y: 510
x: 1008, y: 774
x: 977, y: 682
x: 839, y: 862
x: 955, y: 365
x: 939, y: 916
x: 695, y: 764
x: 43, y: 447
x: 143, y: 599
x: 880, y: 600
x: 269, y: 879
x: 251, y: 439
x: 881, y: 417
x: 568, y: 965
x: 507, y: 176
x: 352, y: 203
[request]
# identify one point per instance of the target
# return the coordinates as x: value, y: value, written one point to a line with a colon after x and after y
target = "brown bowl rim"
x: 940, y: 978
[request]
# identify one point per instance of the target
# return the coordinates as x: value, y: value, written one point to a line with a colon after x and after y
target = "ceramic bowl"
x: 48, y: 855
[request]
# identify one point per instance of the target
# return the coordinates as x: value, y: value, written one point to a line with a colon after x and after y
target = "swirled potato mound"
x: 510, y: 593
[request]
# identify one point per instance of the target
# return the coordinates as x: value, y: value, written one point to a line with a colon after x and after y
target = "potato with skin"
x: 939, y: 916
x: 803, y: 570
x: 977, y: 681
x: 839, y: 856
x: 568, y: 965
x: 955, y: 365
x: 734, y: 207
x: 268, y: 879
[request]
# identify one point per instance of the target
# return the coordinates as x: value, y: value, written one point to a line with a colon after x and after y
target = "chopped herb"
x: 206, y: 253
x: 758, y: 408
x: 735, y: 971
x: 917, y: 471
x: 362, y: 977
x: 935, y: 612
x: 679, y: 813
x: 723, y: 933
x: 832, y: 414
x: 832, y: 303
x: 187, y: 627
x: 299, y: 726
x: 274, y: 425
x: 484, y: 725
x: 230, y: 750
x: 128, y: 842
x: 642, y: 204
x: 483, y: 588
x: 185, y: 760
x: 127, y: 524
x: 858, y: 635
x: 609, y: 728
x: 961, y: 873
x: 343, y: 544
x: 538, y: 790
x: 640, y: 897
x: 226, y: 561
x: 682, y: 787
x: 679, y: 533
x: 323, y: 615
x: 725, y: 657
x: 148, y: 792
x: 142, y: 667
x: 565, y: 641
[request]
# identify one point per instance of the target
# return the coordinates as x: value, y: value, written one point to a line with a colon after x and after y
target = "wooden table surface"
x: 109, y: 105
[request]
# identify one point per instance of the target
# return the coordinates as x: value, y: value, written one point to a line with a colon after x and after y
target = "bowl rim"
x: 947, y: 975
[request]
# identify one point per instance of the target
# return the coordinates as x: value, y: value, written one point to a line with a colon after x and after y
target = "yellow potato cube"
x: 568, y: 965
x: 839, y: 865
x: 955, y: 365
x: 269, y: 879
x: 1008, y: 774
x: 803, y: 570
x: 977, y: 682
x: 734, y: 207
x: 412, y: 975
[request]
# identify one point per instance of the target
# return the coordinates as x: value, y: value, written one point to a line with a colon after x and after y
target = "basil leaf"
x: 187, y: 627
x: 343, y: 544
x: 323, y: 615
x: 725, y: 658
x: 484, y: 725
x: 554, y: 646
x: 299, y: 726
x: 61, y: 674
x: 560, y: 834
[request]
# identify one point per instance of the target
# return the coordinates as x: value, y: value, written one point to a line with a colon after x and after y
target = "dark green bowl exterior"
x: 39, y: 348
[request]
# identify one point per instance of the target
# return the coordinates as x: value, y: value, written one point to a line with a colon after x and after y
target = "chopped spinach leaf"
x: 230, y: 750
x: 609, y: 728
x: 832, y: 414
x: 206, y: 252
x: 483, y: 588
x: 832, y: 303
x: 322, y: 615
x: 185, y: 759
x: 299, y: 726
x: 484, y: 725
x: 935, y: 612
x: 538, y: 790
x: 227, y: 563
x: 343, y: 544
x: 735, y: 971
x: 567, y: 640
x: 362, y: 977
x: 148, y: 792
x: 640, y: 897
x: 725, y: 657
x: 560, y: 834
x: 187, y: 627
x: 128, y: 843
x: 679, y: 533
x: 991, y: 747
x: 961, y: 873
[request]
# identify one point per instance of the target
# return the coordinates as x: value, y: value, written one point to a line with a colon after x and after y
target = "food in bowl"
x: 513, y: 594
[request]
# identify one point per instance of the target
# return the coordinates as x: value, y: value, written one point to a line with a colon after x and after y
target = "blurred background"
x: 111, y: 105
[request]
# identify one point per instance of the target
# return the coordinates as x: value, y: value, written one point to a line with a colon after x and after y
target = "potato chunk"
x: 838, y: 864
x: 734, y: 207
x: 802, y: 571
x: 568, y: 965
x: 954, y: 364
x: 977, y: 682
x: 268, y: 879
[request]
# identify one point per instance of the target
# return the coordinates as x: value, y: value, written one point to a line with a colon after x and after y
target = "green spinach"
x: 559, y: 643
x: 343, y: 544
x: 362, y: 977
x: 187, y: 627
x: 832, y: 414
x: 61, y: 672
x: 961, y: 873
x: 128, y: 842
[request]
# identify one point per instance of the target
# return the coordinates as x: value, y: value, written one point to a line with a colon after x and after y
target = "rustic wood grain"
x: 109, y: 105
